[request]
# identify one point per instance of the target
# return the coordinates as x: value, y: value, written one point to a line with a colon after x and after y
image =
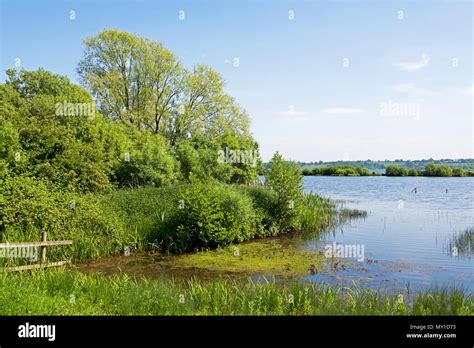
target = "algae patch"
x: 268, y: 257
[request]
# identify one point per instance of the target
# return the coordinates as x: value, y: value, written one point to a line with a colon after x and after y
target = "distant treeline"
x: 380, y: 166
x: 338, y: 171
x: 431, y: 169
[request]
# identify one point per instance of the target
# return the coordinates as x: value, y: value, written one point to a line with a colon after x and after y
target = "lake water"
x: 410, y: 239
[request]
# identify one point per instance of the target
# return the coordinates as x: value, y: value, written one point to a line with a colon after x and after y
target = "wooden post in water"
x: 43, y: 250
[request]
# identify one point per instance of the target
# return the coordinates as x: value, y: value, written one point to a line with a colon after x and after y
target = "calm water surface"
x: 411, y: 239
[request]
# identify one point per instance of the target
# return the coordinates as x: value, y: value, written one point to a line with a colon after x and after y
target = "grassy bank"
x: 58, y: 292
x: 176, y: 218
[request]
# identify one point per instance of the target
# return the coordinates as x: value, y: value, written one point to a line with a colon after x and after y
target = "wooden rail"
x: 34, y: 244
x: 43, y: 245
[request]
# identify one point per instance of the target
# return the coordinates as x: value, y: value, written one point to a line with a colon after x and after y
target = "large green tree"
x: 140, y: 83
x: 40, y: 137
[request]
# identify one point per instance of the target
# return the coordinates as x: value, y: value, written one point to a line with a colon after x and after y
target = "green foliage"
x: 202, y: 158
x: 51, y: 293
x: 465, y: 163
x: 265, y: 202
x: 155, y: 114
x: 149, y: 161
x: 316, y: 214
x: 213, y: 215
x: 284, y: 177
x: 134, y: 79
x: 63, y: 164
x: 72, y: 150
x: 140, y: 83
x: 458, y: 172
x: 393, y: 170
x: 29, y: 206
x: 29, y: 203
x: 432, y: 169
x: 337, y: 171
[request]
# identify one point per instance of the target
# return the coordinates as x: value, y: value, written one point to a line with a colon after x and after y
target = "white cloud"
x: 343, y: 110
x: 469, y: 90
x: 291, y: 115
x: 410, y: 88
x: 412, y: 66
x: 466, y: 90
x: 292, y: 119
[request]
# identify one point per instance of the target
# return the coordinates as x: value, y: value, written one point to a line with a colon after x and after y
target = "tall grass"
x: 316, y: 214
x: 58, y: 292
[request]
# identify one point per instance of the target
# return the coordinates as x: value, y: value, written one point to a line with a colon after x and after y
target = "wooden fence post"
x: 43, y: 250
x: 42, y: 245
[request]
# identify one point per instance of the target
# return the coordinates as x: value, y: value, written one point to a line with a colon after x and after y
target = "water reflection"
x: 462, y: 244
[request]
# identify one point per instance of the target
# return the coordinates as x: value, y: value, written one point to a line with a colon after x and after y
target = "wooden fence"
x: 44, y: 244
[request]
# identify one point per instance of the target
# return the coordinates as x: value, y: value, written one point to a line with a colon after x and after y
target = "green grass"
x: 317, y: 213
x: 348, y: 214
x: 69, y: 292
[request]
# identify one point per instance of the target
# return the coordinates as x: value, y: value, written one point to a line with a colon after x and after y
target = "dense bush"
x: 337, y: 171
x: 393, y: 170
x: 431, y: 169
x: 265, y: 205
x: 148, y: 161
x: 28, y: 203
x: 76, y: 151
x: 29, y: 206
x: 284, y: 177
x: 414, y: 172
x: 213, y: 215
x: 458, y: 172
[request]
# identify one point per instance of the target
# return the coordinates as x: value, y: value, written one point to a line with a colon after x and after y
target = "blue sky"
x: 320, y: 80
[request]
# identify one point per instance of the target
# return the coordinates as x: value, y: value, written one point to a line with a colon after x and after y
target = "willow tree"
x: 133, y: 79
x: 139, y: 82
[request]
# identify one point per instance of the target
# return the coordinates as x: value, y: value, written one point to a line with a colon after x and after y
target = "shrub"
x: 337, y: 171
x: 29, y: 206
x: 432, y: 169
x: 393, y: 170
x: 265, y: 205
x: 213, y: 215
x: 284, y: 177
x: 147, y: 162
x: 458, y: 172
